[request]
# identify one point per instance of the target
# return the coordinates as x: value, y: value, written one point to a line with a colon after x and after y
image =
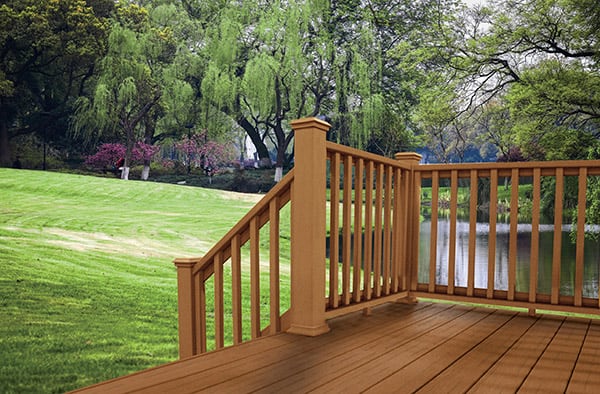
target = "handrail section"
x: 368, y: 226
x: 195, y: 275
x: 520, y: 288
x: 372, y: 221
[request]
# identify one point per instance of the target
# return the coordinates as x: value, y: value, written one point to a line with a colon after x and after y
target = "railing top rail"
x: 203, y: 262
x: 332, y: 147
x: 464, y: 168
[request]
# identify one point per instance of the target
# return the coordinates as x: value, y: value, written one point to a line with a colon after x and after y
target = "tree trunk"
x: 129, y: 132
x: 146, y: 170
x: 125, y: 173
x: 259, y: 144
x: 278, y: 173
x: 4, y: 141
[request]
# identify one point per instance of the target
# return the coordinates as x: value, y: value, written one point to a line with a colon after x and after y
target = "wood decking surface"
x: 425, y: 348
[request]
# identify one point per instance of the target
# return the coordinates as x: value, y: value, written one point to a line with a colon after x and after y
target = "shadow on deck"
x: 425, y: 347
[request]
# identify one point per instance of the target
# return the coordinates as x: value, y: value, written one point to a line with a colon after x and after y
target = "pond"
x: 546, y: 236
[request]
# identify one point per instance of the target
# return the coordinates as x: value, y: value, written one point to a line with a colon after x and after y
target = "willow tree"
x: 380, y: 56
x: 128, y: 87
x: 266, y: 68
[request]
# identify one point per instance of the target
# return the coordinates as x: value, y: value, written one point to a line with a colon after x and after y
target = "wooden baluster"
x: 200, y: 313
x: 415, y: 226
x: 535, y: 237
x: 491, y: 283
x: 387, y: 231
x: 334, y: 230
x: 377, y: 247
x: 435, y: 188
x: 368, y: 262
x: 347, y: 230
x: 358, y: 232
x: 236, y: 288
x: 219, y: 310
x: 398, y: 230
x: 254, y: 278
x: 473, y: 185
x: 579, y: 246
x: 275, y: 325
x: 452, y: 239
x: 557, y: 242
x: 512, y: 243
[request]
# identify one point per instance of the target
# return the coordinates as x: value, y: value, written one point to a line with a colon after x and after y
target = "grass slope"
x: 87, y: 285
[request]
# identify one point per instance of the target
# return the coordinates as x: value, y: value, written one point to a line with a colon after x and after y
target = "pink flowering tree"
x: 110, y: 156
x: 144, y: 154
x: 198, y: 151
x: 107, y: 156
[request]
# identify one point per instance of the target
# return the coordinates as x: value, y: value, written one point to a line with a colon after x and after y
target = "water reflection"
x: 546, y: 235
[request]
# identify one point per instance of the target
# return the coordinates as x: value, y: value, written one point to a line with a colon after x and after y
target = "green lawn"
x: 87, y: 285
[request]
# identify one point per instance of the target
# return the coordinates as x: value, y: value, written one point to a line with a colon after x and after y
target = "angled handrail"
x: 195, y: 273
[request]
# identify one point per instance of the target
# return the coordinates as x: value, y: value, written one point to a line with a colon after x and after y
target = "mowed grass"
x: 87, y: 286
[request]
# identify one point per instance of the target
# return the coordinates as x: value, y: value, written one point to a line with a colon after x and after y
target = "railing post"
x: 185, y: 296
x: 308, y: 233
x: 413, y: 218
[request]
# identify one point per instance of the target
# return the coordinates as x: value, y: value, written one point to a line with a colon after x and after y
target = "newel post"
x: 185, y: 296
x: 308, y: 228
x: 413, y: 217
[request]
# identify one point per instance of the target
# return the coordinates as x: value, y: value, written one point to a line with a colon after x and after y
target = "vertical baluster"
x: 452, y: 240
x: 236, y: 288
x: 535, y: 236
x: 254, y: 279
x: 398, y: 231
x: 512, y: 243
x: 377, y: 247
x: 347, y: 230
x: 275, y: 325
x: 200, y: 307
x: 334, y: 203
x: 492, y: 233
x: 472, y: 231
x: 368, y: 262
x: 557, y: 242
x: 414, y: 196
x: 435, y: 188
x: 579, y: 254
x: 387, y: 230
x: 358, y: 214
x: 219, y: 311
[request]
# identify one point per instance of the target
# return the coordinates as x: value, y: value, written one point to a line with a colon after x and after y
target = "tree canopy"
x: 509, y: 80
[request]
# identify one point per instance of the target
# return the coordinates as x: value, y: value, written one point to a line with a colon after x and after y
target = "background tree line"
x: 512, y: 80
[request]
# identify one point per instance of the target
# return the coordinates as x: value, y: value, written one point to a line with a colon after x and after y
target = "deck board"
x: 586, y: 378
x: 478, y: 360
x: 508, y: 373
x: 425, y: 347
x: 555, y: 366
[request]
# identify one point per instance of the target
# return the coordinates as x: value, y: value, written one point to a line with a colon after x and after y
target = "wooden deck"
x: 425, y: 348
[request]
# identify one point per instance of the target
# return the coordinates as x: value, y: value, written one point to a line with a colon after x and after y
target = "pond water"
x: 546, y: 235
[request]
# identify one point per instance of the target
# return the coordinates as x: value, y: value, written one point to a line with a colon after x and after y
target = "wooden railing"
x: 521, y: 290
x: 369, y: 238
x: 240, y: 252
x: 372, y: 220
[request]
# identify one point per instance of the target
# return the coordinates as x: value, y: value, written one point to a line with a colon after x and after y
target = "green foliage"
x: 48, y: 49
x: 536, y: 62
